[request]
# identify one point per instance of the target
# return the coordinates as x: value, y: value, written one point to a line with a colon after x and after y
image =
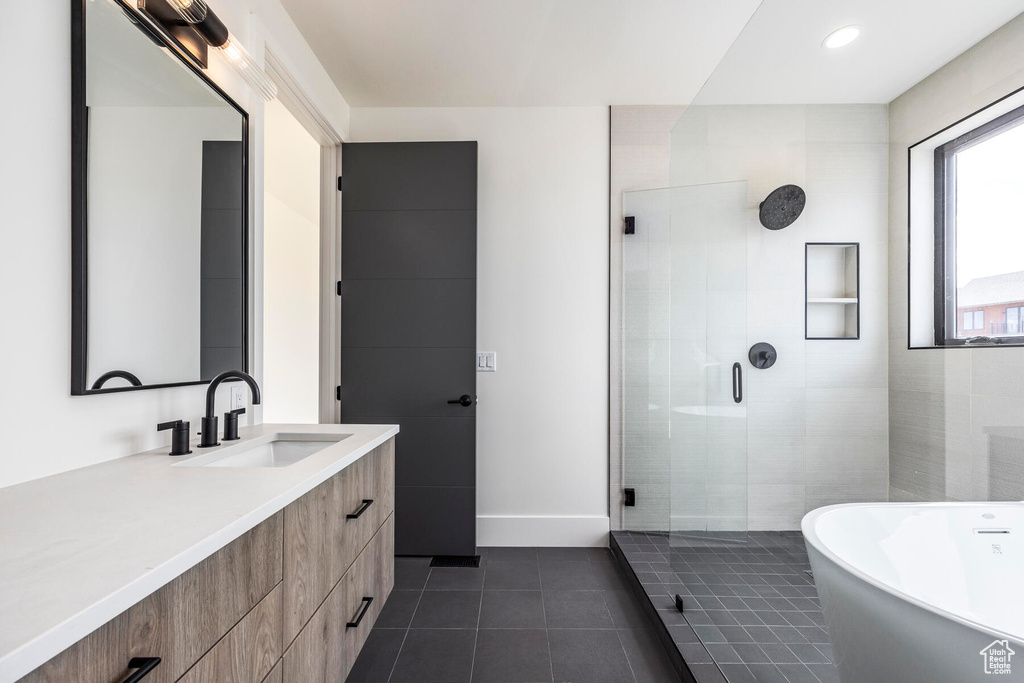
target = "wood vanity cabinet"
x: 273, y: 605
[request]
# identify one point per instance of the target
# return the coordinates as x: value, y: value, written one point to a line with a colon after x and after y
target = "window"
x: 1015, y: 320
x: 979, y: 233
x: 974, y: 320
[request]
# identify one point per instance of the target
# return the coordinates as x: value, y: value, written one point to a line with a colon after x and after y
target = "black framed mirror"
x: 159, y: 214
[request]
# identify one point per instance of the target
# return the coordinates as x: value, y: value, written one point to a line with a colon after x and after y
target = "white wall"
x: 145, y: 232
x: 291, y: 269
x: 35, y: 263
x: 542, y: 287
x: 955, y: 415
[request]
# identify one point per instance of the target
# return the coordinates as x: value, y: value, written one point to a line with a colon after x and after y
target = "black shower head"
x: 782, y: 207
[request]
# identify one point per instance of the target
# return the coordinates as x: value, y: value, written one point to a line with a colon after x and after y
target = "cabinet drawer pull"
x: 362, y: 612
x: 144, y: 666
x: 362, y: 508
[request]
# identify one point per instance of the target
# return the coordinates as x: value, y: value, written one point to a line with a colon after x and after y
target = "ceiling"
x: 778, y: 59
x: 397, y: 53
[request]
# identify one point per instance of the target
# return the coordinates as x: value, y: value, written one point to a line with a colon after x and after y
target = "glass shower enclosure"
x: 684, y: 343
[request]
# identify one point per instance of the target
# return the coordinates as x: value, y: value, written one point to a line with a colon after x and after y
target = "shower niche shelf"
x: 832, y: 290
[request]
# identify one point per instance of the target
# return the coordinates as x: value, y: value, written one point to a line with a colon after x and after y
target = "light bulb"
x: 192, y: 11
x: 240, y: 60
x: 841, y: 37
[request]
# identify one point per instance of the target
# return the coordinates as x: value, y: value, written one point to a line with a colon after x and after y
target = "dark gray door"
x: 222, y: 268
x: 408, y: 320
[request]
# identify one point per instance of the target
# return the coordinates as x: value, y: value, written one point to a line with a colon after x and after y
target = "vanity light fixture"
x: 841, y: 37
x: 208, y: 25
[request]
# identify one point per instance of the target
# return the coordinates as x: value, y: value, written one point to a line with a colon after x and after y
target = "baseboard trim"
x: 542, y: 531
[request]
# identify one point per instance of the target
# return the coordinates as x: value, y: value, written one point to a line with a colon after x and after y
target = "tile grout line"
x: 479, y: 611
x: 409, y: 627
x: 544, y: 611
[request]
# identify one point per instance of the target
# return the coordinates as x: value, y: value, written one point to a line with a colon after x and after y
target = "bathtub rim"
x: 807, y: 526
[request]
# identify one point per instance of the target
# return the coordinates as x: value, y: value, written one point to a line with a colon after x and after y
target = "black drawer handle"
x: 144, y: 666
x: 362, y: 613
x: 362, y: 508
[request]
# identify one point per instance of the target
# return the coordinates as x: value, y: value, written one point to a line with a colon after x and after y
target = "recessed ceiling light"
x: 841, y: 37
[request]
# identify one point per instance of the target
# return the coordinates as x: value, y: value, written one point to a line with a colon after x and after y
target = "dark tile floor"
x: 750, y: 608
x: 527, y: 615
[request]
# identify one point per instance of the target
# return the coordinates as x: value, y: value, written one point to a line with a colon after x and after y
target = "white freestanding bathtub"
x: 921, y: 593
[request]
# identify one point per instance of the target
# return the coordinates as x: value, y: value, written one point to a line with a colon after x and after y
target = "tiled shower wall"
x: 817, y: 430
x: 956, y: 416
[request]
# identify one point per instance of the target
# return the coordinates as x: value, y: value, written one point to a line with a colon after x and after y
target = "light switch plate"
x: 238, y: 397
x: 486, y: 361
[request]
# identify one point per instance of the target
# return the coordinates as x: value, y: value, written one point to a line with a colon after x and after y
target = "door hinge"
x: 630, y: 497
x: 337, y: 392
x: 339, y: 287
x: 339, y: 184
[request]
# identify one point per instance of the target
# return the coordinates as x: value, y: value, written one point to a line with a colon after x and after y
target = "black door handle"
x: 465, y: 401
x: 144, y: 666
x: 737, y: 382
x: 362, y: 613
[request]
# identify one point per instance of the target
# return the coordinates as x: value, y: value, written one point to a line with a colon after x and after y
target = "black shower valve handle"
x: 762, y: 355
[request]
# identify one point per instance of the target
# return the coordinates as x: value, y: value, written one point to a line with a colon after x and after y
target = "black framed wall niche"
x: 832, y: 290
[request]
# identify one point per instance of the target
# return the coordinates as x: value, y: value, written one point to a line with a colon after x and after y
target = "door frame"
x: 308, y: 114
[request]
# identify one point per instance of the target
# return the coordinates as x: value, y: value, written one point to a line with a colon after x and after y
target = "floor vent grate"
x: 455, y: 561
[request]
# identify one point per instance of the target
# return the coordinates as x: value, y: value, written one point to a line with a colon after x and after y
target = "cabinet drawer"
x: 181, y: 621
x: 248, y: 652
x: 357, y: 517
x: 316, y: 654
x: 367, y: 585
x: 308, y: 575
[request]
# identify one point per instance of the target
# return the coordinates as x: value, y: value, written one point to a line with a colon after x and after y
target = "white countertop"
x: 79, y: 548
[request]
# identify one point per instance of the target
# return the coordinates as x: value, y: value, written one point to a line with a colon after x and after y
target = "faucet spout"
x: 209, y: 432
x: 211, y: 392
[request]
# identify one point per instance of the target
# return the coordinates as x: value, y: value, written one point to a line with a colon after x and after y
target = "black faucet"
x: 209, y: 432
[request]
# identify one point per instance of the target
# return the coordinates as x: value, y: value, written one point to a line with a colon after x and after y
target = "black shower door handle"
x: 737, y: 382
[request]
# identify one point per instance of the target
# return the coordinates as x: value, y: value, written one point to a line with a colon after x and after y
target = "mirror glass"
x: 164, y: 213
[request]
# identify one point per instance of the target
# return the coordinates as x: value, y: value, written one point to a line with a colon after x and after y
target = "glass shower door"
x: 685, y: 344
x: 709, y: 340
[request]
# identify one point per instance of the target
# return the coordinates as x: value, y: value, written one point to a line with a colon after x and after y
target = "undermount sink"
x: 282, y: 451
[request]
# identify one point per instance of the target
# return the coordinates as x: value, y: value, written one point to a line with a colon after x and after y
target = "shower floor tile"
x: 750, y: 608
